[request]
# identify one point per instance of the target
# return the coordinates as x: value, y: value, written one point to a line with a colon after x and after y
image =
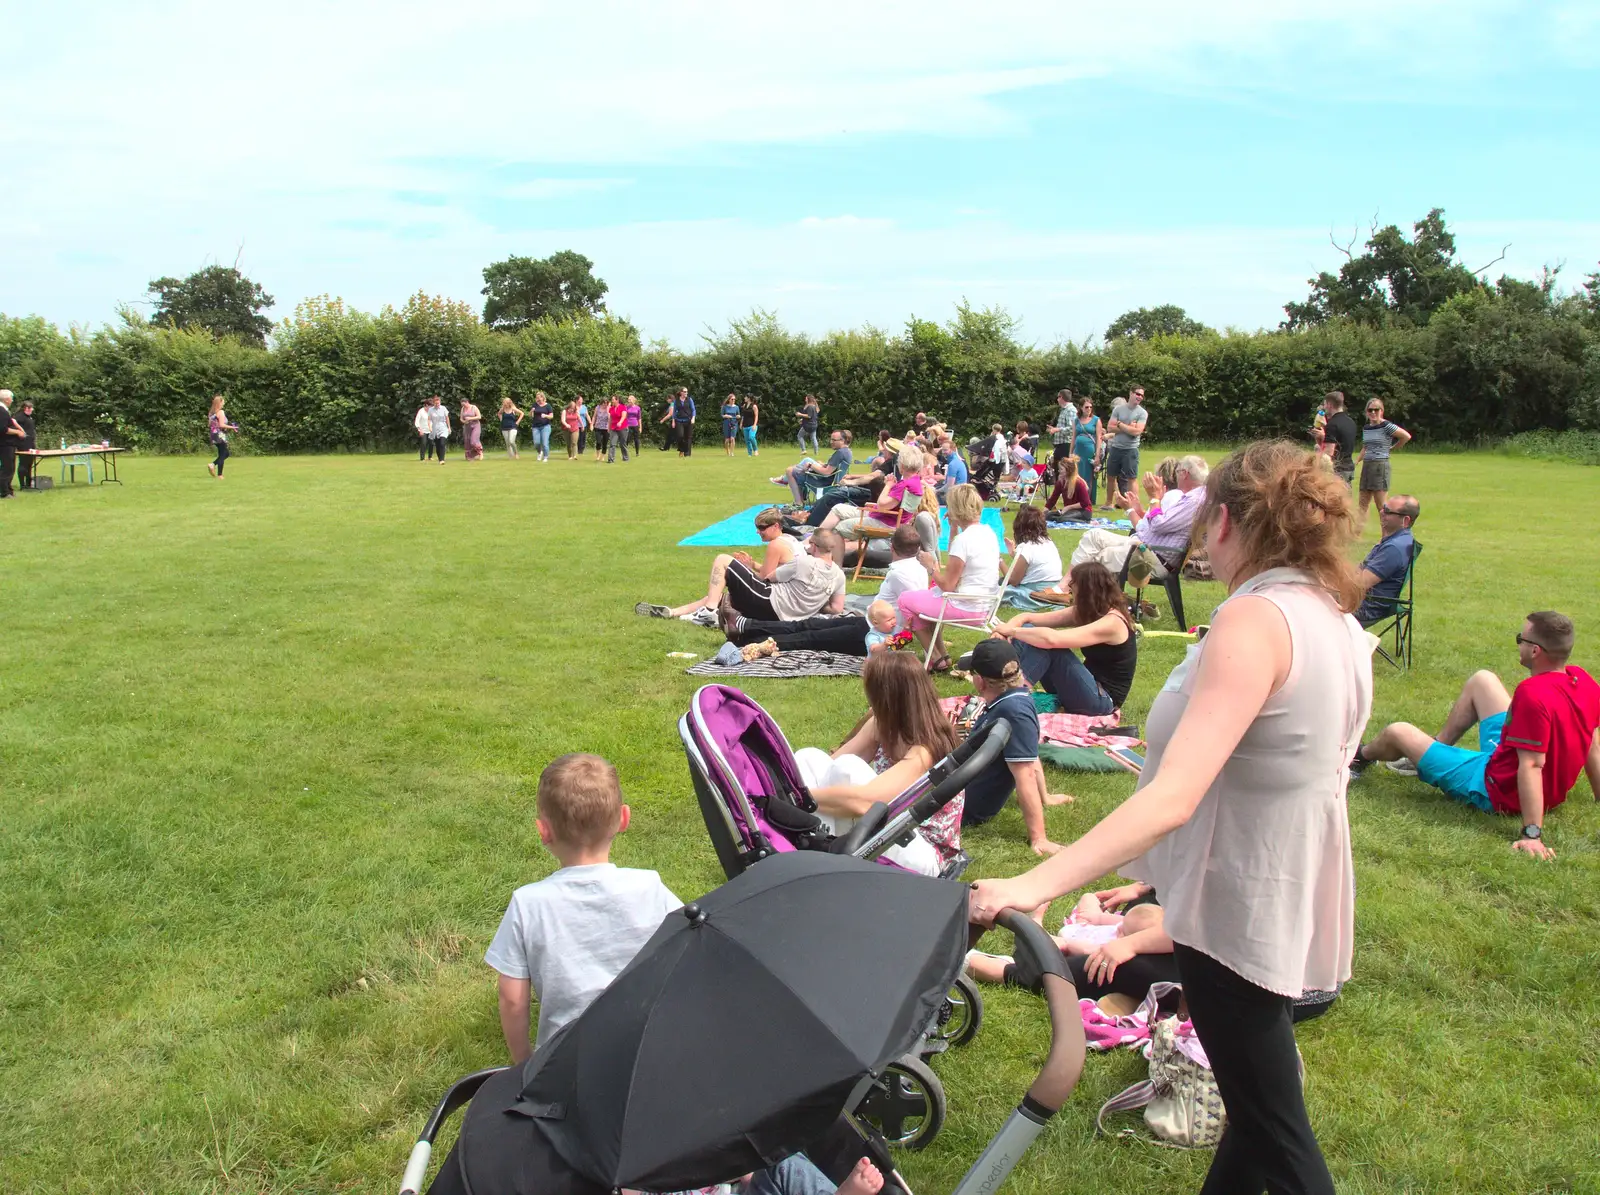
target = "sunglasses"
x: 1530, y: 642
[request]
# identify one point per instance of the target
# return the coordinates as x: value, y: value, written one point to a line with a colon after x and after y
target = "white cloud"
x: 346, y: 146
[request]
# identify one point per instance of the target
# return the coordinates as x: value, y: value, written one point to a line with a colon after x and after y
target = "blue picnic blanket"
x: 739, y: 530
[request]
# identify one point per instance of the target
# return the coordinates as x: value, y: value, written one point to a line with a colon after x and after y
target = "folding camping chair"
x: 1398, y: 620
x: 967, y: 609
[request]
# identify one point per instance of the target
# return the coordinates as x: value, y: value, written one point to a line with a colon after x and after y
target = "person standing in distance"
x: 438, y: 425
x: 682, y: 415
x: 218, y: 427
x: 1378, y: 438
x: 510, y: 417
x: 1126, y: 425
x: 11, y: 437
x: 1064, y: 429
x: 23, y: 418
x: 749, y: 420
x: 1338, y: 436
x: 730, y: 423
x: 809, y: 415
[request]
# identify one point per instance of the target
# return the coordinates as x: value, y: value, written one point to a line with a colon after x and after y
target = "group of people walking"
x: 613, y: 423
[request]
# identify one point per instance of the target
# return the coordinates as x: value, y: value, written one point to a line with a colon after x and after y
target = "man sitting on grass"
x: 807, y: 477
x: 738, y: 570
x: 809, y: 584
x: 1383, y: 572
x: 1531, y: 744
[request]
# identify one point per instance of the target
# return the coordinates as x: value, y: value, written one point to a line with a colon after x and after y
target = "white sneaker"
x: 1401, y: 767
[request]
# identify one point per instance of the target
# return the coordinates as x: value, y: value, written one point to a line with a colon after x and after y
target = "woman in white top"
x: 973, y: 566
x: 1239, y: 820
x: 1036, y: 561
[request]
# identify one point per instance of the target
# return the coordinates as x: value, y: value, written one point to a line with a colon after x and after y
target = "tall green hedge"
x: 1486, y: 365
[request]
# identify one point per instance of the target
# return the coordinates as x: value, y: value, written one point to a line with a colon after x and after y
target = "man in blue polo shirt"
x: 1008, y: 697
x: 1383, y: 572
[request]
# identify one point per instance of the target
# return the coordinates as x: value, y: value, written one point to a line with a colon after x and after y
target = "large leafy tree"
x: 1394, y: 281
x: 1150, y: 322
x: 219, y: 299
x: 522, y: 290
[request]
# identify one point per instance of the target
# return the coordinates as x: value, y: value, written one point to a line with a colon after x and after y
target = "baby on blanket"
x: 1089, y: 926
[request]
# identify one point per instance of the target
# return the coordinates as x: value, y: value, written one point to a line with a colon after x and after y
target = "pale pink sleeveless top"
x: 1261, y: 877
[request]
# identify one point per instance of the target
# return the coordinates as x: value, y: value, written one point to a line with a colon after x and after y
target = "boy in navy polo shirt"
x: 1008, y: 697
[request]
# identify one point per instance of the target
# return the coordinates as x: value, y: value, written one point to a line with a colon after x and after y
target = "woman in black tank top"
x: 1098, y: 624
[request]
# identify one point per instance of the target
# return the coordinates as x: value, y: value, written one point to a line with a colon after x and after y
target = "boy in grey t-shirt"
x: 1126, y: 425
x: 566, y: 937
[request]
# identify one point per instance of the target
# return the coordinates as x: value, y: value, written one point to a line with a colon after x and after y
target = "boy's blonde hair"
x: 880, y: 609
x: 581, y: 799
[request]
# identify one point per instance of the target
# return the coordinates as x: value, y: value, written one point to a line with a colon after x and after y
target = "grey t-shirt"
x: 572, y: 932
x: 1126, y: 413
x: 803, y: 586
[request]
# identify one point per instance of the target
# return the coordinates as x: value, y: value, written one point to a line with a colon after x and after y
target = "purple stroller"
x: 755, y: 805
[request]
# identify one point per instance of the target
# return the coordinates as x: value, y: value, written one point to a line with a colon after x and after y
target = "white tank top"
x: 1261, y: 877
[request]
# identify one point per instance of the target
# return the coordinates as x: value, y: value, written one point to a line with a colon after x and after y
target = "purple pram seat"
x: 756, y: 804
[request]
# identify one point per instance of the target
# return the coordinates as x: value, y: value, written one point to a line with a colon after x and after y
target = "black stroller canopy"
x: 738, y: 1033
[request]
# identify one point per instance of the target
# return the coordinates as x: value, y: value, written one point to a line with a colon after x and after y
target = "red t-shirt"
x: 1553, y: 712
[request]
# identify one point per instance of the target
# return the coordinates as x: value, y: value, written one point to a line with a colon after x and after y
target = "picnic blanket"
x: 739, y: 530
x: 1069, y: 730
x: 1057, y: 523
x: 785, y: 663
x: 1019, y: 598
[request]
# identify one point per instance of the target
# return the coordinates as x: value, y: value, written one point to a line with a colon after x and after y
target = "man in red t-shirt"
x: 1531, y: 744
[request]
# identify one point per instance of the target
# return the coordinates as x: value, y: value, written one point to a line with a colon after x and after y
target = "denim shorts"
x: 1458, y: 771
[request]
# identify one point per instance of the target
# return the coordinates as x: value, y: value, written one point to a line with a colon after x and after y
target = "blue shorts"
x: 1458, y: 771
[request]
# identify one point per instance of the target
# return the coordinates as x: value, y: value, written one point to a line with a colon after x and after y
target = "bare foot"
x: 1058, y: 798
x: 865, y: 1179
x: 1045, y: 847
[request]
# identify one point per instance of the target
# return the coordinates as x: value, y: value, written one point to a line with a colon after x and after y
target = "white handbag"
x: 1182, y: 1106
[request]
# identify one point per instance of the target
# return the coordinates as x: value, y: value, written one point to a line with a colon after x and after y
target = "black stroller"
x: 737, y: 1038
x: 756, y: 806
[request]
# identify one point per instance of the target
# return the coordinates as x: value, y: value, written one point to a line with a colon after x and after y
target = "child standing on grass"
x: 566, y: 937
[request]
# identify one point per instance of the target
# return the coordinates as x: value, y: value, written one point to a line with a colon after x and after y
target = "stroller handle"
x: 956, y: 770
x: 948, y: 777
x: 1037, y: 955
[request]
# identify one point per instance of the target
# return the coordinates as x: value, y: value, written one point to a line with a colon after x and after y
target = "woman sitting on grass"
x: 905, y: 734
x: 1036, y: 561
x: 1098, y: 624
x: 1070, y: 490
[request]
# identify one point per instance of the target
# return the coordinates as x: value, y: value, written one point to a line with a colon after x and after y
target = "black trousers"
x: 424, y: 447
x: 685, y: 437
x: 8, y: 466
x: 222, y: 456
x: 750, y: 595
x: 1248, y: 1034
x: 25, y: 466
x: 855, y: 495
x: 845, y: 634
x: 583, y: 439
x: 438, y: 445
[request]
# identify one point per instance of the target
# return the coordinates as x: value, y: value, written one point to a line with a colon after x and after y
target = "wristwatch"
x: 1532, y: 832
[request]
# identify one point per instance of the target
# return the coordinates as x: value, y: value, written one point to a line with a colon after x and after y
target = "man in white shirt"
x: 1164, y: 527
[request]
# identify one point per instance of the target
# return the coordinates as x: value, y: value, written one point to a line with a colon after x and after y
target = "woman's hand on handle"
x: 989, y: 898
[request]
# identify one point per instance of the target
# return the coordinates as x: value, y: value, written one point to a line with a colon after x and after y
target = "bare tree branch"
x: 1348, y: 248
x: 1496, y: 261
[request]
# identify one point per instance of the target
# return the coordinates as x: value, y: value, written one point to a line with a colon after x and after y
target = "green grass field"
x: 269, y: 747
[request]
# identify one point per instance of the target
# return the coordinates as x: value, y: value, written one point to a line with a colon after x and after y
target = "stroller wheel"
x: 906, y: 1105
x: 960, y: 1014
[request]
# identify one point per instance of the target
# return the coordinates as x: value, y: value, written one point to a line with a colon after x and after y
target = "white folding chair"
x: 967, y: 610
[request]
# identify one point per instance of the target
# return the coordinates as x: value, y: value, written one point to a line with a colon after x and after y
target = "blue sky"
x: 836, y: 163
